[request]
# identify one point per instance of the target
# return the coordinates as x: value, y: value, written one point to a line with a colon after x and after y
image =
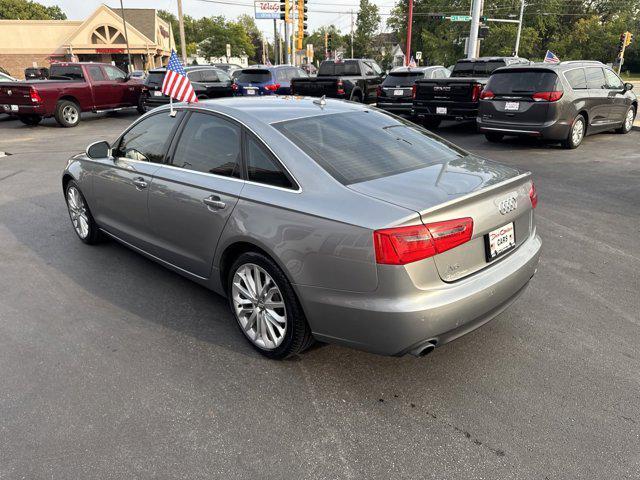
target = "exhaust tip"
x: 423, y: 350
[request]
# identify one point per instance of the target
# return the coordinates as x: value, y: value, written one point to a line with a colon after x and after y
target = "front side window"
x: 114, y: 73
x: 209, y: 144
x: 359, y: 146
x: 263, y: 168
x: 368, y: 69
x: 576, y: 78
x: 595, y: 78
x: 376, y: 68
x: 613, y: 80
x: 147, y: 141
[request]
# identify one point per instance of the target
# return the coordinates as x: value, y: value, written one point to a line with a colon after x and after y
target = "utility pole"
x: 287, y: 39
x: 126, y: 38
x: 275, y: 41
x: 519, y: 29
x: 472, y: 45
x: 351, y: 33
x: 407, y: 55
x: 183, y: 45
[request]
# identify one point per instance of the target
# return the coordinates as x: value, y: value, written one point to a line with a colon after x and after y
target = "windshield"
x: 514, y: 81
x: 253, y: 75
x: 401, y: 79
x: 359, y: 146
x: 330, y: 68
x: 475, y: 69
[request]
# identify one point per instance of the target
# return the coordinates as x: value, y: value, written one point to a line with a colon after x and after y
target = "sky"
x: 321, y: 12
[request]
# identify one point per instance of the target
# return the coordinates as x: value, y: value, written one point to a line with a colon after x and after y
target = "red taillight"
x: 273, y: 87
x: 486, y: 95
x: 340, y: 88
x: 35, y: 96
x: 378, y: 91
x: 547, y: 96
x: 475, y: 92
x: 533, y: 195
x: 413, y: 91
x: 402, y: 245
x: 234, y: 87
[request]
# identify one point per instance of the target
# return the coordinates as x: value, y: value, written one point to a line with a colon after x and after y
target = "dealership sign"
x: 267, y: 9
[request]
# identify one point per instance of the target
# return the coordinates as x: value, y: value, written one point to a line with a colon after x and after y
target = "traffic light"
x: 330, y: 41
x: 302, y: 22
x: 483, y: 31
x: 437, y: 16
x: 622, y: 42
x: 628, y: 39
x: 284, y: 10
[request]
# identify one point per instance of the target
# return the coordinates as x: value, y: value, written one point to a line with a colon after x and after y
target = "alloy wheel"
x: 70, y: 114
x: 259, y: 306
x: 78, y: 212
x: 577, y: 132
x: 628, y: 122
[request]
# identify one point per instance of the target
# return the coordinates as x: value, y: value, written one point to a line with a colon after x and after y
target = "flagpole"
x: 172, y: 113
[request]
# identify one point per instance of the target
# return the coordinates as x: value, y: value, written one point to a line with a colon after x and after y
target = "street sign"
x: 267, y: 9
x: 418, y: 55
x: 460, y: 18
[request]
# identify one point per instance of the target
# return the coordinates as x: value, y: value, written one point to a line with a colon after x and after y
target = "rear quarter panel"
x: 80, y: 92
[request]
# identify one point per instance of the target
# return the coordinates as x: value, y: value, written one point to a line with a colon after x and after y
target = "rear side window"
x: 210, y: 76
x: 254, y: 75
x: 147, y: 140
x: 576, y: 78
x: 515, y: 81
x: 209, y: 144
x: 195, y: 76
x: 595, y: 78
x: 95, y: 73
x: 358, y: 146
x: 67, y: 72
x: 263, y: 168
x: 402, y: 79
x: 330, y: 68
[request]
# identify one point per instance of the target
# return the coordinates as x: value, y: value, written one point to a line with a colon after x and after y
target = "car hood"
x: 439, y: 183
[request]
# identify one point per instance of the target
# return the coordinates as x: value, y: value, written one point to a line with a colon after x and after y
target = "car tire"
x: 67, y: 113
x: 30, y: 119
x: 265, y: 334
x: 431, y: 122
x: 576, y: 133
x: 142, y: 108
x: 494, y: 137
x: 81, y: 218
x: 627, y: 124
x: 356, y: 96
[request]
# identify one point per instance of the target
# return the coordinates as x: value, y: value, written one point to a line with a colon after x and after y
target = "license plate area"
x: 157, y: 93
x: 250, y: 91
x: 500, y: 241
x: 441, y: 110
x: 512, y: 106
x: 398, y: 92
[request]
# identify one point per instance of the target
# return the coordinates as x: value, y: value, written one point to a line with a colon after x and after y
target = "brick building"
x: 99, y: 38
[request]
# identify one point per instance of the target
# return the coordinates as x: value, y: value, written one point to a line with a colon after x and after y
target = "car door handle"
x: 140, y: 183
x: 214, y: 202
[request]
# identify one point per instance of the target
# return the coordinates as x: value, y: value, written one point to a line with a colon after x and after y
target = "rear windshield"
x: 504, y: 83
x: 253, y: 75
x: 359, y: 146
x: 475, y: 69
x: 66, y: 72
x: 155, y: 79
x: 330, y: 69
x: 403, y: 79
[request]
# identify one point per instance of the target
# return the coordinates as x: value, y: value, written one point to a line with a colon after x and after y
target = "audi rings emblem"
x: 508, y: 205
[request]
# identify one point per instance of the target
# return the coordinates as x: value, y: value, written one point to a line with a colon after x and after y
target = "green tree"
x: 367, y: 23
x: 316, y: 38
x: 213, y: 34
x: 28, y: 10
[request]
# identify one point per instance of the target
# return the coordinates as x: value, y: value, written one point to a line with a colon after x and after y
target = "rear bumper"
x: 394, y: 324
x: 553, y: 130
x: 38, y: 109
x: 454, y: 111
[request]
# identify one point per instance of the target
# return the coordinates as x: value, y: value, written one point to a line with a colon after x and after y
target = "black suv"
x: 395, y: 93
x: 561, y: 102
x: 208, y: 82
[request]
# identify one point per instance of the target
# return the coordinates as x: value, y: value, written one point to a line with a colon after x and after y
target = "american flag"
x: 550, y: 57
x: 176, y: 84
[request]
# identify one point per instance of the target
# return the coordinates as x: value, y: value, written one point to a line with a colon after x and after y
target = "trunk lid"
x: 448, y: 90
x: 466, y: 187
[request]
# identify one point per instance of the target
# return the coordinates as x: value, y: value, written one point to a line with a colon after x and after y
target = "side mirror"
x: 628, y: 86
x: 98, y: 150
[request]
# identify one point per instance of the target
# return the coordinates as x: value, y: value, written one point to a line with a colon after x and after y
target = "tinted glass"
x: 210, y: 76
x: 479, y: 69
x: 147, y: 140
x: 376, y: 68
x: 595, y: 78
x: 576, y: 78
x: 330, y: 68
x: 504, y: 83
x: 114, y: 73
x: 253, y: 75
x: 95, y: 73
x: 155, y: 79
x: 359, y: 146
x: 68, y: 72
x: 613, y: 81
x: 402, y: 79
x: 263, y: 168
x: 195, y: 76
x: 209, y: 144
x: 222, y: 76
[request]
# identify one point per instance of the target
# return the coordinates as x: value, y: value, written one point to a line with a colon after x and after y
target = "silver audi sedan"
x: 317, y: 219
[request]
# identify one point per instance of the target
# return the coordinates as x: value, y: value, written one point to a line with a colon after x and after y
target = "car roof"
x: 415, y: 69
x: 493, y: 59
x: 554, y: 66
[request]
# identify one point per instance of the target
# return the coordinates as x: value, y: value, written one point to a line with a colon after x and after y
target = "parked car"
x: 208, y: 82
x: 34, y: 73
x: 228, y: 67
x: 351, y: 79
x: 139, y: 74
x: 457, y: 97
x: 72, y: 88
x: 259, y: 80
x: 559, y: 102
x: 316, y: 218
x: 395, y: 94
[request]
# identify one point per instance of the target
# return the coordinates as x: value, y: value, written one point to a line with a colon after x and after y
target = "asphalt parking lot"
x: 113, y: 367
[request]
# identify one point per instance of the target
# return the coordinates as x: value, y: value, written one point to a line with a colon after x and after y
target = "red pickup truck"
x: 71, y: 88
